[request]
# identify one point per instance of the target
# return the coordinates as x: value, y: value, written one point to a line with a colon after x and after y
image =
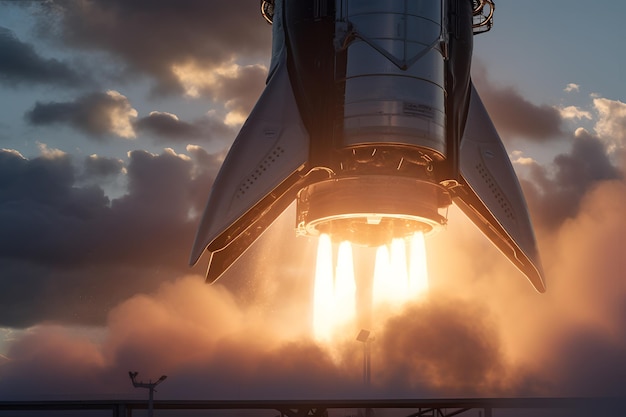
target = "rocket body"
x: 370, y: 121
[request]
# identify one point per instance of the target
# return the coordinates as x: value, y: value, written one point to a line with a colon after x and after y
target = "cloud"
x: 168, y: 127
x: 554, y: 193
x: 95, y: 250
x: 566, y: 342
x: 99, y: 167
x: 20, y: 63
x: 573, y: 112
x: 572, y: 87
x: 611, y: 124
x: 432, y: 347
x: 198, y: 32
x: 238, y: 86
x: 589, y: 295
x: 517, y: 157
x: 208, y: 344
x: 213, y: 346
x: 96, y: 114
x: 514, y: 116
x: 100, y: 115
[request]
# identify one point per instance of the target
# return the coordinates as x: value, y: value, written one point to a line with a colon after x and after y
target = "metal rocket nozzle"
x: 371, y: 210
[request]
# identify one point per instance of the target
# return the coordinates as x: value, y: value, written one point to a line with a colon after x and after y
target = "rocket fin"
x: 491, y: 195
x: 258, y: 179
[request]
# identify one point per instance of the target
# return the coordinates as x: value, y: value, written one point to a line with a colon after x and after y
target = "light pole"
x: 364, y: 337
x: 150, y: 385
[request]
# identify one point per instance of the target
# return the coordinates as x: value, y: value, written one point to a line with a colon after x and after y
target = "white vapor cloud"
x: 611, y: 124
x: 573, y: 112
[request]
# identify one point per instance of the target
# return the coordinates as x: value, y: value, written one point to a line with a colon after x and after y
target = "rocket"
x: 369, y: 121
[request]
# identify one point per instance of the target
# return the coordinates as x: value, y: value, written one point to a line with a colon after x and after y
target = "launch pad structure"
x: 321, y: 408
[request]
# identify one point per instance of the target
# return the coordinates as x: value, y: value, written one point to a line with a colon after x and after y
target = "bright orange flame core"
x: 335, y: 293
x: 400, y: 275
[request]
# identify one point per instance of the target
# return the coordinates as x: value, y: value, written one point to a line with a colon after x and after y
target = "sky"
x: 115, y: 116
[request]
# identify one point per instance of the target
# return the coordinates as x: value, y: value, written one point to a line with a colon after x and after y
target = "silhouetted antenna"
x: 150, y: 385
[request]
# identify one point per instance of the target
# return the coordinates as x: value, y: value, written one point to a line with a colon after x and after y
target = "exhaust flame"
x: 400, y: 275
x: 323, y: 296
x: 418, y: 270
x: 397, y: 281
x: 334, y: 299
x: 345, y: 286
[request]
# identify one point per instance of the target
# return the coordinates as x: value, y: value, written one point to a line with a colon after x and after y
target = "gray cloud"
x: 514, y: 116
x: 73, y: 237
x: 240, y: 92
x: 554, y: 193
x: 168, y: 127
x: 97, y: 167
x: 102, y: 115
x: 195, y: 31
x: 452, y: 349
x: 20, y: 63
x: 97, y: 114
